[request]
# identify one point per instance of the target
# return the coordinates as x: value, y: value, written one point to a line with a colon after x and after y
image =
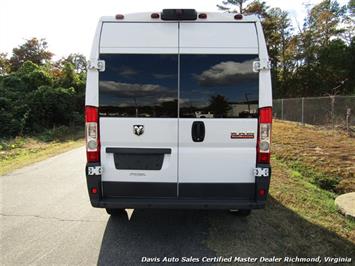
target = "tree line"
x: 38, y: 93
x: 313, y: 59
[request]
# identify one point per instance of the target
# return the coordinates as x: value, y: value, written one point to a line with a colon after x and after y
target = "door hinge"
x: 261, y: 65
x: 97, y: 64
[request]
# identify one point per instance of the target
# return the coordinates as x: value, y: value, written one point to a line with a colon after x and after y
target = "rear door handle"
x: 198, y: 131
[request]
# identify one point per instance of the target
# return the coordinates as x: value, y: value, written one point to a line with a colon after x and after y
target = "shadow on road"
x: 275, y: 231
x: 153, y: 233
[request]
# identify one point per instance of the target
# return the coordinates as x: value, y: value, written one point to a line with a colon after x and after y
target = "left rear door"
x: 138, y: 94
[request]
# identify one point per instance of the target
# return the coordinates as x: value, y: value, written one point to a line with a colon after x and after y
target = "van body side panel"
x: 265, y: 92
x: 92, y: 75
x: 92, y: 90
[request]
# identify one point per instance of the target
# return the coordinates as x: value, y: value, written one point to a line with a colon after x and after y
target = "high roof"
x: 211, y: 17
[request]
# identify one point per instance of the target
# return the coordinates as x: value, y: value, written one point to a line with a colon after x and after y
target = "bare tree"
x: 229, y: 6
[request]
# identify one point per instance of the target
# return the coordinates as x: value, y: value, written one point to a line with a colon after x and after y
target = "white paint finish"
x: 263, y: 54
x: 265, y: 86
x: 92, y: 88
x: 94, y: 55
x: 139, y: 35
x: 218, y: 159
x: 92, y: 77
x: 265, y: 91
x: 218, y: 35
x: 158, y: 133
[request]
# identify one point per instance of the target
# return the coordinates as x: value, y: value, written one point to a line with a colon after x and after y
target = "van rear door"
x: 219, y: 94
x: 138, y: 95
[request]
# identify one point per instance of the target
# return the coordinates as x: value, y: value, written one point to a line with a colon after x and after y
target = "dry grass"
x: 20, y: 152
x: 326, y: 156
x: 300, y: 219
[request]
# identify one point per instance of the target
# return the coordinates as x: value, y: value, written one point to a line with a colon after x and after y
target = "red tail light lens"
x: 265, y: 115
x: 264, y: 135
x: 92, y: 134
x: 261, y: 192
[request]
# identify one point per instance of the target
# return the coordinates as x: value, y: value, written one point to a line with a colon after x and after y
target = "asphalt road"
x: 46, y: 219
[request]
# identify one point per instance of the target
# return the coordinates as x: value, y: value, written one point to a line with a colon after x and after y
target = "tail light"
x: 264, y: 135
x: 92, y: 134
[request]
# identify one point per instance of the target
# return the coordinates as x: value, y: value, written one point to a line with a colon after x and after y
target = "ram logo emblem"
x: 138, y: 129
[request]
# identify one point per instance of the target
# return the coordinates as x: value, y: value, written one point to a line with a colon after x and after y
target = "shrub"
x: 50, y: 107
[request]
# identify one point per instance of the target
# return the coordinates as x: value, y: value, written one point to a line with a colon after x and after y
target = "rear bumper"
x: 191, y: 196
x: 176, y: 203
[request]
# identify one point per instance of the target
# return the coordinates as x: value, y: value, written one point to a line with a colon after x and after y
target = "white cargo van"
x: 178, y: 112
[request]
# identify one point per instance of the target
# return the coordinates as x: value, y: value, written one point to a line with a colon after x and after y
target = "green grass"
x: 297, y: 190
x: 21, y: 151
x: 309, y: 174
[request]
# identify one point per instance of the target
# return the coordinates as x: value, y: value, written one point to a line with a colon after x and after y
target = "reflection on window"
x: 218, y: 86
x: 138, y: 85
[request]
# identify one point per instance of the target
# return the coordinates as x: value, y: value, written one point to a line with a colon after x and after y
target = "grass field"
x: 311, y: 167
x: 325, y: 158
x: 21, y: 151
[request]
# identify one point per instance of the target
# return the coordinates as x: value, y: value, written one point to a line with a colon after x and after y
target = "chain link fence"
x: 332, y: 111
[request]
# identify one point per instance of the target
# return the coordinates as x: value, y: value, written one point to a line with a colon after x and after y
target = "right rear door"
x: 218, y: 103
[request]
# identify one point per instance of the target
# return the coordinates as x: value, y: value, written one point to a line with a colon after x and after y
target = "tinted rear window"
x: 218, y: 86
x: 211, y: 86
x: 139, y: 85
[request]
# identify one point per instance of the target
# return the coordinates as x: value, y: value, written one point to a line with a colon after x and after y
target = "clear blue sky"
x: 69, y: 25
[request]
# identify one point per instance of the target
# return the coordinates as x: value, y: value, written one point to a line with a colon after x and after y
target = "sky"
x: 69, y: 25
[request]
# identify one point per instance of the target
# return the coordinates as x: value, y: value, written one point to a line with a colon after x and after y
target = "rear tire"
x: 241, y: 213
x: 117, y: 212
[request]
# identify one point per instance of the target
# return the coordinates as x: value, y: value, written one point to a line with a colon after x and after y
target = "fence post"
x: 302, y: 119
x: 332, y: 100
x: 282, y: 109
x: 348, y: 115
